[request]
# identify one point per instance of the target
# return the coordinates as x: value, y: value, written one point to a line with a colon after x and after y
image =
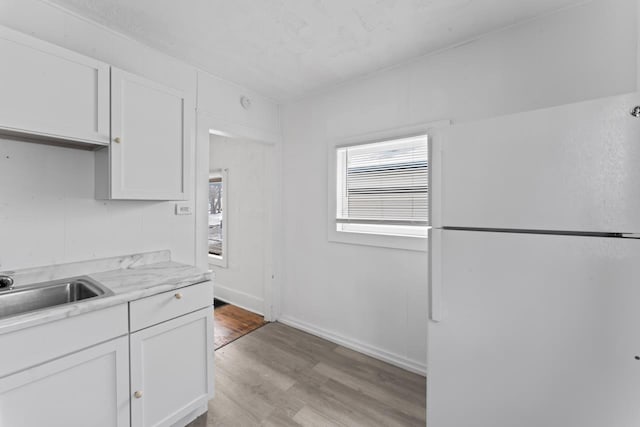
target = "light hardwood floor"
x: 280, y: 376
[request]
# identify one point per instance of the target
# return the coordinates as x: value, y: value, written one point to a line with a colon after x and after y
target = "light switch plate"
x: 183, y: 209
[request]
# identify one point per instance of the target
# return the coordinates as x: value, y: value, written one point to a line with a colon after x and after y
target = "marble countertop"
x: 129, y: 278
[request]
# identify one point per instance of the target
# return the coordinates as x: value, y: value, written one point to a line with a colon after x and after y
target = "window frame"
x: 369, y: 239
x: 220, y: 260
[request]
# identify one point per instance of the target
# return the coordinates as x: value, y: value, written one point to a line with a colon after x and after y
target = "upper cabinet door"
x: 567, y: 168
x: 149, y: 149
x: 51, y: 93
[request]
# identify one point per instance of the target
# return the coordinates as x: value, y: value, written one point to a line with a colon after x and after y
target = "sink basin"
x: 49, y: 294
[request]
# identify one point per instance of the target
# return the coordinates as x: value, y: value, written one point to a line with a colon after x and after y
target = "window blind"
x: 384, y: 183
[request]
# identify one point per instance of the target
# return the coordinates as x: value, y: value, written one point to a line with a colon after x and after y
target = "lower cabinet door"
x: 86, y: 388
x: 171, y: 366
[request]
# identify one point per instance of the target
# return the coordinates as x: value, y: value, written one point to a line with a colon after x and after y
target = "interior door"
x: 569, y: 168
x: 533, y: 330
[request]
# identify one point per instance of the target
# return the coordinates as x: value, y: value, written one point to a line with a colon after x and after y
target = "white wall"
x: 219, y: 100
x: 376, y: 299
x: 249, y: 196
x: 75, y: 226
x: 49, y: 214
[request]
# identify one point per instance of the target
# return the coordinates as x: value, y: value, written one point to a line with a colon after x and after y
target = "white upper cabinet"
x: 51, y: 93
x: 57, y: 96
x: 148, y: 154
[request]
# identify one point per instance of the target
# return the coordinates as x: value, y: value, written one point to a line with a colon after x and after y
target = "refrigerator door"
x: 534, y: 330
x: 570, y: 168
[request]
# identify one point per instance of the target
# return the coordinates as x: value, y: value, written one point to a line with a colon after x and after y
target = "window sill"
x: 420, y: 244
x: 216, y: 260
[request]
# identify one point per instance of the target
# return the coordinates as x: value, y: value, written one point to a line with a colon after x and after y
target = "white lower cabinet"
x: 86, y: 388
x: 91, y: 370
x: 171, y: 366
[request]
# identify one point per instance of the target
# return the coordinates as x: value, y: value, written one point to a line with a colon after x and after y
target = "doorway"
x: 240, y: 231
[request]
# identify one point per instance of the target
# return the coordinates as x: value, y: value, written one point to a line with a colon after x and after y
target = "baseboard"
x: 240, y: 299
x: 385, y: 356
x: 194, y: 418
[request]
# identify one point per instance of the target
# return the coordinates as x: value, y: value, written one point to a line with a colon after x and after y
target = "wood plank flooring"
x: 280, y: 376
x: 232, y: 322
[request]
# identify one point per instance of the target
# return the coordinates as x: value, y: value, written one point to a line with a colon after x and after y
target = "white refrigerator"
x: 535, y: 269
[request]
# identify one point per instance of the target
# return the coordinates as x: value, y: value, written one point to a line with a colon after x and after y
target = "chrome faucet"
x: 6, y: 283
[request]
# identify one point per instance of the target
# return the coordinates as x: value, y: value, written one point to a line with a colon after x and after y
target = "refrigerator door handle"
x: 435, y: 180
x: 435, y: 275
x: 631, y: 235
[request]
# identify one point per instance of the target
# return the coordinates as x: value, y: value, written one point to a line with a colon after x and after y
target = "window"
x: 382, y: 188
x: 217, y: 223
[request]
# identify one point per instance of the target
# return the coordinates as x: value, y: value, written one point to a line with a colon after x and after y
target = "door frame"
x: 207, y: 124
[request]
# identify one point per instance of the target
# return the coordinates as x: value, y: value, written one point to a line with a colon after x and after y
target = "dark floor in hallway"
x: 232, y: 322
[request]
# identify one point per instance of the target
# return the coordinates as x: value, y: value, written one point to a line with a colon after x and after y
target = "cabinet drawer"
x: 168, y: 305
x: 34, y: 345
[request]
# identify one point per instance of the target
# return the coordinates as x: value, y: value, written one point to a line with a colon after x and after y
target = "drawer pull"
x: 178, y: 295
x: 138, y: 394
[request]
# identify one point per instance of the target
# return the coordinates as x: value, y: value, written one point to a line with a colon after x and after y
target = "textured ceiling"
x: 286, y: 48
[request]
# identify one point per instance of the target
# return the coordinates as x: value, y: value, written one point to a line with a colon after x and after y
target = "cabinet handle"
x: 116, y: 139
x: 178, y: 295
x: 138, y: 394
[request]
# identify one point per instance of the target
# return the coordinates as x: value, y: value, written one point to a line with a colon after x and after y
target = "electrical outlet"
x: 183, y: 209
